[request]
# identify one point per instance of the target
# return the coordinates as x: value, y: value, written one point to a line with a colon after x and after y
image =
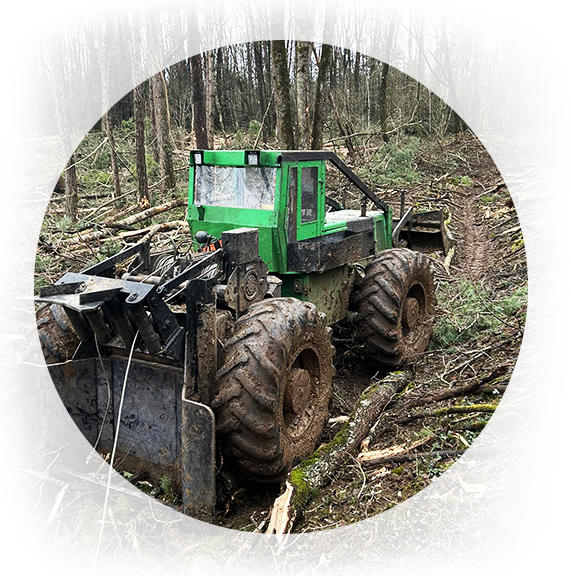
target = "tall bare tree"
x: 282, y: 92
x: 383, y: 109
x: 106, y: 120
x: 198, y: 100
x: 321, y: 90
x: 302, y: 81
x: 160, y: 102
x: 56, y: 63
x: 209, y: 88
x: 139, y: 118
x: 454, y: 122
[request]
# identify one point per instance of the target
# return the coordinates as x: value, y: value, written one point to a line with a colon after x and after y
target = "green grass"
x: 469, y: 311
x: 395, y: 164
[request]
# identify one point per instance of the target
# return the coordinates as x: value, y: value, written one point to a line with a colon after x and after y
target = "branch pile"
x: 108, y: 227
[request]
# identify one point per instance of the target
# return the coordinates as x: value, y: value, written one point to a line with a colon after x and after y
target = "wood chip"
x: 374, y: 456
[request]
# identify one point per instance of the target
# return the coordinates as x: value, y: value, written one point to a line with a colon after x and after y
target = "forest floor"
x: 502, y: 328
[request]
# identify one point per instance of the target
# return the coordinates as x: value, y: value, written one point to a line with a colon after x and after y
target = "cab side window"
x: 308, y: 194
x: 292, y: 211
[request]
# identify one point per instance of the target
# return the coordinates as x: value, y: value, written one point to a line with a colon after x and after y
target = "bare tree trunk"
x: 63, y: 125
x: 383, y: 108
x: 105, y: 104
x: 282, y: 92
x: 321, y: 89
x: 198, y: 101
x: 302, y: 62
x: 209, y: 72
x: 261, y: 88
x: 139, y: 118
x: 159, y: 93
x: 421, y: 114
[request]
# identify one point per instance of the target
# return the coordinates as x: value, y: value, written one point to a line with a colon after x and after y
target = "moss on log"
x: 305, y: 480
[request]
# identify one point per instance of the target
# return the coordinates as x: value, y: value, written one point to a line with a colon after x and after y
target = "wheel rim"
x: 413, y: 313
x: 300, y: 393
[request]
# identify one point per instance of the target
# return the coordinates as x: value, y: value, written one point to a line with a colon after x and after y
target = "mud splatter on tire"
x: 274, y: 387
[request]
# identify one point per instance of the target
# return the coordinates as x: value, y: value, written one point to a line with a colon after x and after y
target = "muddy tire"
x: 395, y: 307
x: 57, y: 338
x: 274, y: 388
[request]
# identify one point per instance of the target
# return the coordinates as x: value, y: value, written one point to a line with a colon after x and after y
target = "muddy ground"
x: 504, y: 303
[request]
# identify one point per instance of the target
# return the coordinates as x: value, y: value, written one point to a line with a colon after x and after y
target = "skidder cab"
x: 229, y: 346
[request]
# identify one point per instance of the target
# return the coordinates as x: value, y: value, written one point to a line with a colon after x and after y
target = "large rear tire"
x: 395, y: 304
x: 274, y: 388
x: 57, y: 338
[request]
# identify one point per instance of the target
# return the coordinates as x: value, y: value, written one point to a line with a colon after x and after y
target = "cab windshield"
x: 251, y: 187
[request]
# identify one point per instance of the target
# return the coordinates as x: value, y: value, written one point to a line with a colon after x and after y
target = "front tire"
x: 395, y: 304
x: 274, y: 387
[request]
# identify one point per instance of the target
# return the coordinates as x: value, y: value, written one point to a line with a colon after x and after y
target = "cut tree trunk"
x: 314, y: 473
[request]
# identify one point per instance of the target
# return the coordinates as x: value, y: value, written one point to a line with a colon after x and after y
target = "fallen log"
x: 447, y: 410
x: 495, y: 376
x: 309, y: 476
x: 380, y: 428
x: 150, y: 231
x: 127, y: 223
x: 466, y: 453
x: 504, y: 420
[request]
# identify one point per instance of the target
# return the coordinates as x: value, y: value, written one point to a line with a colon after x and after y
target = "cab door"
x: 306, y: 207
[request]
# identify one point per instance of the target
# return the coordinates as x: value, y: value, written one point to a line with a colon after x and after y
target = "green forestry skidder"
x: 229, y: 345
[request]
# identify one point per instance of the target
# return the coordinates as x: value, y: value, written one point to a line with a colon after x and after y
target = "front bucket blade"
x: 426, y: 232
x: 198, y: 461
x: 160, y: 433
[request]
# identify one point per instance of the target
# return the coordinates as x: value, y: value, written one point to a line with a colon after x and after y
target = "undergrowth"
x: 469, y: 311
